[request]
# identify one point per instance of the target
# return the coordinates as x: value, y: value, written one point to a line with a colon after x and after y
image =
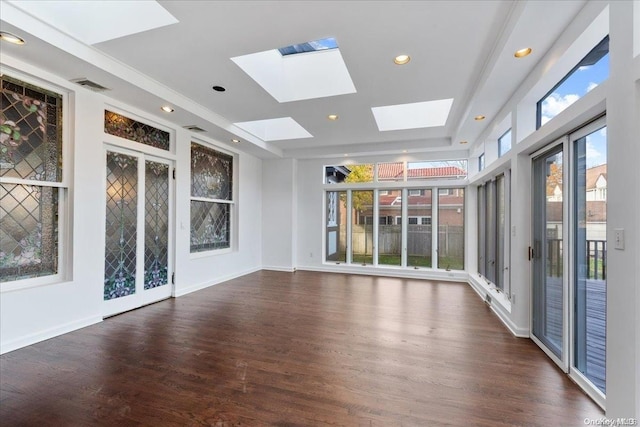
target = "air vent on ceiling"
x: 90, y: 85
x: 194, y: 128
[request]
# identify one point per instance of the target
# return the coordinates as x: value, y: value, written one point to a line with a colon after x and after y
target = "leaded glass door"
x: 138, y: 241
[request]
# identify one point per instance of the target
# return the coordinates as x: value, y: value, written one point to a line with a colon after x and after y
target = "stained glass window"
x: 124, y: 127
x: 28, y: 231
x: 30, y: 150
x: 209, y: 226
x: 211, y: 173
x: 121, y: 226
x: 156, y: 253
x: 211, y: 199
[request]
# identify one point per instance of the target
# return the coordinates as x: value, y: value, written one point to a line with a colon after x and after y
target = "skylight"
x: 412, y: 116
x: 312, y: 46
x: 97, y: 21
x: 275, y: 129
x: 289, y: 77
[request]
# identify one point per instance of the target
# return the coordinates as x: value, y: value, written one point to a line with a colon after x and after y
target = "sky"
x: 576, y: 86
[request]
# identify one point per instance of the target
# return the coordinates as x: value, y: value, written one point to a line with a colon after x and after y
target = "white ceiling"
x: 459, y: 49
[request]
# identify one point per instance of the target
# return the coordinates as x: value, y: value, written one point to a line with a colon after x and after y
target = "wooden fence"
x: 450, y: 240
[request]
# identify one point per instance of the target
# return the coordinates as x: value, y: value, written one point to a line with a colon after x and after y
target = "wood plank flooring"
x: 302, y: 349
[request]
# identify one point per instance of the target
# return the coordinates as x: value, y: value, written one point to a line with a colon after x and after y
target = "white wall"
x: 279, y: 214
x: 620, y: 97
x: 37, y: 313
x: 200, y: 270
x: 623, y: 280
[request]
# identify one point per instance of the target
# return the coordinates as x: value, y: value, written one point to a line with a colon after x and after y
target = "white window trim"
x: 65, y: 205
x: 232, y: 204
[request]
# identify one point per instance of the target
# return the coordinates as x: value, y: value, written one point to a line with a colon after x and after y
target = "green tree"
x: 360, y: 173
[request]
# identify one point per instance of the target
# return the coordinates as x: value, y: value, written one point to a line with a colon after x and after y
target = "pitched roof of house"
x: 594, y: 173
x: 395, y: 170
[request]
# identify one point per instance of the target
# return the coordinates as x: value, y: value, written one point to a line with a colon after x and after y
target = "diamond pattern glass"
x: 121, y: 226
x: 156, y: 252
x: 210, y: 226
x: 30, y: 132
x: 211, y: 173
x: 28, y: 231
x: 124, y: 127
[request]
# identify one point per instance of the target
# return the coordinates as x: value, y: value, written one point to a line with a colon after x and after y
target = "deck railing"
x: 596, y: 261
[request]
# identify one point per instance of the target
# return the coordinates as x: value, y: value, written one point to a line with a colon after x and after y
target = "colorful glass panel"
x: 28, y: 231
x: 30, y: 132
x: 210, y: 226
x: 118, y: 125
x: 156, y: 248
x: 211, y: 173
x: 121, y: 226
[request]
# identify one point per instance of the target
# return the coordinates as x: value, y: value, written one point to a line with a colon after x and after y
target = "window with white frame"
x: 591, y: 71
x: 396, y: 171
x: 211, y: 199
x: 504, y: 143
x: 481, y: 162
x: 395, y: 227
x: 32, y: 188
x: 492, y: 220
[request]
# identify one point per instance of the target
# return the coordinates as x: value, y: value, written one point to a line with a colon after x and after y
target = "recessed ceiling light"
x: 11, y: 38
x: 332, y: 117
x: 463, y: 142
x: 166, y: 109
x: 346, y: 155
x: 401, y: 59
x: 218, y: 88
x: 235, y: 141
x: 479, y: 118
x: 404, y: 151
x: 522, y: 52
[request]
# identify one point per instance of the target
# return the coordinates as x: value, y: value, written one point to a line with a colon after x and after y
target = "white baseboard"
x: 404, y: 273
x: 184, y: 291
x: 36, y: 337
x: 284, y: 269
x: 499, y: 305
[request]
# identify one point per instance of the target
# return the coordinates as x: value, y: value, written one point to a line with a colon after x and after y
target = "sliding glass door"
x: 548, y: 313
x: 590, y: 260
x: 569, y: 255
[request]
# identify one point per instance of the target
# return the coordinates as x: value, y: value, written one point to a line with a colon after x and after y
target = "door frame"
x: 142, y: 297
x: 574, y: 373
x: 563, y: 361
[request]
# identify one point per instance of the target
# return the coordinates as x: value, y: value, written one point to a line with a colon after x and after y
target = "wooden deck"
x: 301, y: 349
x: 596, y: 331
x: 596, y: 325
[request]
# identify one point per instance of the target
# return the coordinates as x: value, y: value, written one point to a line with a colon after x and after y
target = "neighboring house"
x: 596, y: 206
x: 451, y: 205
x: 395, y: 172
x: 336, y: 174
x: 597, y: 183
x: 419, y: 200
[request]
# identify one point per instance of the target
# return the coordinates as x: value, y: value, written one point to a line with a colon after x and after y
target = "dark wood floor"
x: 285, y: 349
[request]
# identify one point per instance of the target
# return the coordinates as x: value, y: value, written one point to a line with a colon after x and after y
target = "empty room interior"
x: 320, y: 213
